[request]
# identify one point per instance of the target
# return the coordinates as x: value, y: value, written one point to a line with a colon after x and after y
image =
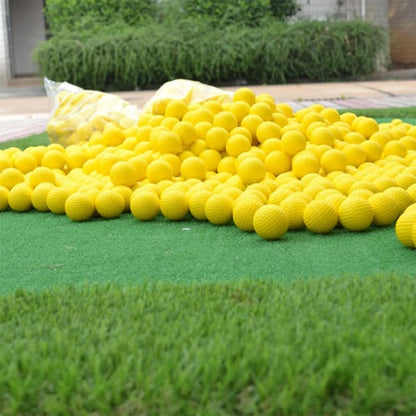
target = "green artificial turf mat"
x: 388, y: 119
x: 314, y: 347
x: 41, y: 139
x: 384, y: 113
x: 41, y: 250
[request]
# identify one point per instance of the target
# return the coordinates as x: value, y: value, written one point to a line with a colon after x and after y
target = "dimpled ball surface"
x: 79, y: 207
x: 244, y: 211
x: 144, y: 205
x: 404, y: 226
x: 20, y: 198
x: 219, y: 209
x: 174, y: 205
x: 270, y: 222
x: 320, y: 216
x: 355, y: 213
x: 109, y: 204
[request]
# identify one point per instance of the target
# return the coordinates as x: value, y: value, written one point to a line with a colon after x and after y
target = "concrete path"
x: 23, y: 114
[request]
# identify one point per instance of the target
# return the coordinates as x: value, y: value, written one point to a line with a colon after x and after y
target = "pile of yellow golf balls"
x: 250, y: 161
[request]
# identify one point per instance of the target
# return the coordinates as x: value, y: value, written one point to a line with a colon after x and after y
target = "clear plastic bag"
x: 77, y: 113
x: 183, y: 89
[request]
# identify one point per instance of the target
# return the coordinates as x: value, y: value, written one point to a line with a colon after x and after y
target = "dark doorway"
x: 26, y: 30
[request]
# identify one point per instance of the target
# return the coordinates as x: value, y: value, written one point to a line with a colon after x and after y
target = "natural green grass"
x: 257, y: 347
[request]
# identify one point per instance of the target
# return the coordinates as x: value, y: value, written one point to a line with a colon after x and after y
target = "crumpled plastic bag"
x: 77, y: 113
x: 191, y: 92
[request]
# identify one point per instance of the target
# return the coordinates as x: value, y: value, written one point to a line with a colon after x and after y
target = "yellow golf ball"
x: 270, y: 222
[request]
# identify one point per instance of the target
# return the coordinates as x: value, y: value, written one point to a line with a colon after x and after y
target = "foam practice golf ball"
x: 355, y: 213
x: 320, y: 216
x: 270, y: 222
x: 243, y: 213
x: 109, y: 204
x: 219, y: 209
x: 174, y: 205
x: 79, y: 207
x: 144, y: 205
x: 404, y: 226
x: 20, y: 197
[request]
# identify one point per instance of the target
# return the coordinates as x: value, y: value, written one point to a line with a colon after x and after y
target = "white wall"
x: 374, y: 11
x: 318, y: 9
x: 4, y: 59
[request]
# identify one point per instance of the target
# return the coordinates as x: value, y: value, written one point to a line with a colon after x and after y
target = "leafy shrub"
x: 75, y: 15
x: 126, y: 58
x: 245, y: 12
x: 282, y: 9
x: 69, y: 15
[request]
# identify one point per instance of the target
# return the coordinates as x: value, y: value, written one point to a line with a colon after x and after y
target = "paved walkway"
x: 23, y: 114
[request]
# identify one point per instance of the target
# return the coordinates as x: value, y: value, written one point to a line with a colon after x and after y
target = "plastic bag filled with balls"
x: 78, y: 114
x: 189, y: 91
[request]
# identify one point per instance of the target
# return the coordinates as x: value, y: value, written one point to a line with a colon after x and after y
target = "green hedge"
x: 125, y: 58
x: 246, y: 12
x: 74, y: 15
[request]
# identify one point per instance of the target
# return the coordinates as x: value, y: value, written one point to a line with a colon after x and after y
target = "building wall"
x: 318, y: 9
x: 4, y: 58
x: 377, y: 12
x: 374, y: 11
x: 402, y: 22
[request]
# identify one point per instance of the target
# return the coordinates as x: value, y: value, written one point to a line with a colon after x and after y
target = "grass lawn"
x: 120, y: 317
x: 314, y: 347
